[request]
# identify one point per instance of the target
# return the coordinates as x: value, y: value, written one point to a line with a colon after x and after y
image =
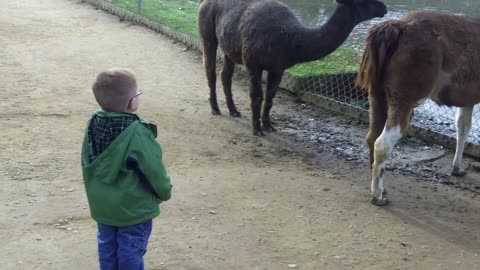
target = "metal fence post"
x: 139, y: 7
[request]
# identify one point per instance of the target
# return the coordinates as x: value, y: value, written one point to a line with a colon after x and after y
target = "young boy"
x: 124, y: 176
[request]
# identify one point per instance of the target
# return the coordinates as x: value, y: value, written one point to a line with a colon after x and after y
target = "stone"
x: 424, y: 155
x: 476, y: 166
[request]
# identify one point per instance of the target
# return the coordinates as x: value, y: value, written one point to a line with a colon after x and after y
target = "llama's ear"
x: 345, y: 2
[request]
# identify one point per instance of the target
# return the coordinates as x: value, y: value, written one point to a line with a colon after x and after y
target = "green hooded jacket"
x: 116, y: 194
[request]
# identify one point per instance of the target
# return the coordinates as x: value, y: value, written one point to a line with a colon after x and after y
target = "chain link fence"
x: 341, y: 89
x: 331, y: 80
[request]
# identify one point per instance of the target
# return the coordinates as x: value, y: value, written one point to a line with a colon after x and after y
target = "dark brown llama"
x: 425, y: 55
x: 266, y: 35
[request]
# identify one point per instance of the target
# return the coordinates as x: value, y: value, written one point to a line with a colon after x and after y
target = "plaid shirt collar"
x: 104, y: 128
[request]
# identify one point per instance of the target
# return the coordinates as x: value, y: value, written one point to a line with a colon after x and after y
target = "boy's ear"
x: 129, y: 105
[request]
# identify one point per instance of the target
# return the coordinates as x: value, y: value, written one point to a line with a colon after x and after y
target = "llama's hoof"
x: 269, y: 128
x: 216, y: 112
x: 258, y: 133
x: 235, y: 114
x: 379, y: 202
x: 458, y: 172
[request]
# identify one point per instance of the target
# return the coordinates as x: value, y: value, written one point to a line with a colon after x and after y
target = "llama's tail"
x: 382, y: 42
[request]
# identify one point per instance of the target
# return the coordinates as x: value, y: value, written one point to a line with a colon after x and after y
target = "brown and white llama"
x: 424, y: 55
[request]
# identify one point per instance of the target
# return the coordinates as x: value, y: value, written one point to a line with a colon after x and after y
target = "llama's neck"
x: 315, y: 43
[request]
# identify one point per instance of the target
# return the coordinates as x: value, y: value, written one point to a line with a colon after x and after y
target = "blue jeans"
x: 122, y: 248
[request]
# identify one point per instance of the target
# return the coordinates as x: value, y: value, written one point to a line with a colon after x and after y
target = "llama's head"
x: 364, y: 10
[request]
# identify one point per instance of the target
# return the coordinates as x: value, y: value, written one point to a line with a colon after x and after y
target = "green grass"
x: 181, y: 15
x: 343, y: 60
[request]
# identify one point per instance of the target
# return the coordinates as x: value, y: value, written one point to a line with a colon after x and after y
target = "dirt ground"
x: 276, y: 202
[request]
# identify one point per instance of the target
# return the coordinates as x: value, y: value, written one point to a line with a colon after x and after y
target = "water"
x: 316, y: 12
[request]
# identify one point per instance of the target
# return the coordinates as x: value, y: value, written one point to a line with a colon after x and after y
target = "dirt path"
x: 276, y: 202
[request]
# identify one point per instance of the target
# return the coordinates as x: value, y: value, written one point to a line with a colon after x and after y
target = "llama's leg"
x: 383, y: 146
x: 209, y: 61
x: 273, y: 81
x: 397, y: 123
x: 256, y: 99
x: 378, y: 118
x: 227, y: 74
x: 206, y: 28
x: 464, y: 124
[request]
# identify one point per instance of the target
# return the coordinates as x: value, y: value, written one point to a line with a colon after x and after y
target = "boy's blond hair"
x: 114, y: 88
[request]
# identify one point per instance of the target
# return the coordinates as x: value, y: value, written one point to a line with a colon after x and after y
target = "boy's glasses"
x: 140, y: 91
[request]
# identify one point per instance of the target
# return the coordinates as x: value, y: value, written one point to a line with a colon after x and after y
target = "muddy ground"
x: 298, y: 197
